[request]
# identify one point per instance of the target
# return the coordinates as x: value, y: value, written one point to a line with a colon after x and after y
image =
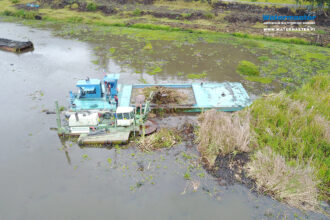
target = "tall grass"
x: 20, y: 14
x: 289, y: 127
x: 294, y: 185
x: 315, y: 94
x: 291, y: 135
x: 222, y: 133
x: 296, y: 126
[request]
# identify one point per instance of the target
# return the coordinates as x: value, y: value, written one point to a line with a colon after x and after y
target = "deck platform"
x: 15, y: 46
x: 114, y: 137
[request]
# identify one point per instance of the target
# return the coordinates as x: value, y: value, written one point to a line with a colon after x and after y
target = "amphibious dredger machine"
x: 105, y: 112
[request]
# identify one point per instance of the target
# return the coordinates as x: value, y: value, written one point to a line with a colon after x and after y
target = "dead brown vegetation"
x: 294, y: 185
x: 222, y: 133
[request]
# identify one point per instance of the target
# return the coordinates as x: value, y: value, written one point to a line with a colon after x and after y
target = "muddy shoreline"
x: 228, y: 169
x: 220, y: 17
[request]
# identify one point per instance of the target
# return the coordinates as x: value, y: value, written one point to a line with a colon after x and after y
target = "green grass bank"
x: 289, y: 141
x: 178, y: 15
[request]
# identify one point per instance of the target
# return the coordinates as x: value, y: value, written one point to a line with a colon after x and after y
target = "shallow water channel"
x: 39, y: 179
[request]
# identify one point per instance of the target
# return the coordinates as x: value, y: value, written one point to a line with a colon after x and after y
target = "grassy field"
x: 136, y: 15
x: 291, y: 2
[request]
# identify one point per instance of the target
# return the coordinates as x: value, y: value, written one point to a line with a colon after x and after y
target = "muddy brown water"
x: 39, y: 180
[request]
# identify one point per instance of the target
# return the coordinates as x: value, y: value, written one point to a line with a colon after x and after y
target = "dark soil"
x: 177, y: 15
x: 252, y: 13
x: 187, y: 133
x: 229, y: 170
x: 243, y: 17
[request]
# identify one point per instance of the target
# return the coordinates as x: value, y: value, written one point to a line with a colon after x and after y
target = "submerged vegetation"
x: 290, y: 137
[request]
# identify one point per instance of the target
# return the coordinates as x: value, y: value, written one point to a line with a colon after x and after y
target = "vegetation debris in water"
x: 197, y: 76
x: 164, y: 138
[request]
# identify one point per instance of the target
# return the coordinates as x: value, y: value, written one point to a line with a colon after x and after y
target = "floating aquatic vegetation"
x: 201, y: 175
x: 248, y: 68
x: 196, y: 76
x: 155, y: 71
x: 260, y: 79
x: 186, y: 156
x: 62, y: 108
x: 187, y: 175
x: 96, y: 62
x: 112, y: 50
x: 144, y: 81
x: 148, y: 46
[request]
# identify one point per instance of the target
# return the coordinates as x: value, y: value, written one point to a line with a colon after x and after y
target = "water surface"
x: 40, y: 181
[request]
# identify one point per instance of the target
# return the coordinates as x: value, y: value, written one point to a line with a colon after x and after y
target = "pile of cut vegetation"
x: 163, y: 95
x: 164, y: 138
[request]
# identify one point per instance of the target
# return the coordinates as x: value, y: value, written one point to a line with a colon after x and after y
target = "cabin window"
x: 131, y: 114
x: 84, y: 91
x: 126, y: 116
x: 92, y: 91
x: 119, y: 116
